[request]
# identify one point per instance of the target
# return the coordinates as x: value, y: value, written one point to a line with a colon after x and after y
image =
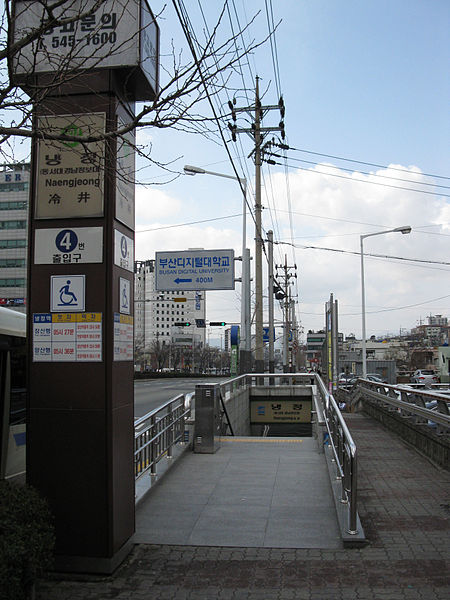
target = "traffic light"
x: 182, y: 324
x: 217, y: 324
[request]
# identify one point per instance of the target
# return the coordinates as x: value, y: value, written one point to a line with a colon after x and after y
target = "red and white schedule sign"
x: 68, y: 337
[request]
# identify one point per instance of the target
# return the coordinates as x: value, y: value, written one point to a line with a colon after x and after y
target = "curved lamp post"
x: 245, y: 341
x: 404, y: 229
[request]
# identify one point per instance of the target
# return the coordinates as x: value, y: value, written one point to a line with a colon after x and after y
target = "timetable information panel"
x: 67, y: 337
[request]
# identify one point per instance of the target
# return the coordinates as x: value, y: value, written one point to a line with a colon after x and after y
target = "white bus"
x: 12, y: 393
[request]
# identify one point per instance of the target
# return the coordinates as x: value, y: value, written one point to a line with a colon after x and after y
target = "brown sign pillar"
x: 80, y: 414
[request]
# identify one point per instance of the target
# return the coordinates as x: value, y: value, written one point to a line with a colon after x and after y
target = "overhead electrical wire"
x: 373, y: 312
x: 189, y: 223
x: 359, y: 162
x: 310, y: 162
x: 184, y: 25
x: 396, y: 187
x: 420, y: 260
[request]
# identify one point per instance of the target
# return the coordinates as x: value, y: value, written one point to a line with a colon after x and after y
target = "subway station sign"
x: 70, y: 178
x: 280, y: 411
x: 195, y: 270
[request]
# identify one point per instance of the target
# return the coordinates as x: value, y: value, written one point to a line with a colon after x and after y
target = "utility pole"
x: 259, y: 346
x: 286, y: 276
x: 271, y: 307
x: 256, y: 132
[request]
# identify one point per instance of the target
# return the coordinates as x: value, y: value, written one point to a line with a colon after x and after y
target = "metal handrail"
x: 389, y: 394
x: 344, y: 453
x: 156, y: 433
x: 341, y: 442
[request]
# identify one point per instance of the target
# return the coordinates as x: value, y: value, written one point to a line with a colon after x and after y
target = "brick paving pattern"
x: 404, y: 507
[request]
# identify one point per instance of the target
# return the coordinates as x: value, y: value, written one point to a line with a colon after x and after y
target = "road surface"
x: 151, y: 393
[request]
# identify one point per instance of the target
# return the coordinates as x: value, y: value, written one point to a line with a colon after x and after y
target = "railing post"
x: 353, y: 494
x: 170, y: 432
x: 153, y: 449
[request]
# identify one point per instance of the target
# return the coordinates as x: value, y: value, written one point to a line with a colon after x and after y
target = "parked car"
x: 376, y: 377
x: 370, y: 377
x: 344, y: 378
x: 424, y: 376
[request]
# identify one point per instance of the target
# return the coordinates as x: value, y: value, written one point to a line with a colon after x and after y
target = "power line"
x: 420, y: 260
x: 373, y: 312
x: 189, y: 223
x: 359, y: 162
x: 396, y: 187
x: 311, y: 162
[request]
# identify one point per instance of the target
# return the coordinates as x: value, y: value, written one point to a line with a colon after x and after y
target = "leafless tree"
x: 55, y: 41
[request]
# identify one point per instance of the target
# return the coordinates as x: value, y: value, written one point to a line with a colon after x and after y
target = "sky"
x: 362, y: 81
x: 366, y: 81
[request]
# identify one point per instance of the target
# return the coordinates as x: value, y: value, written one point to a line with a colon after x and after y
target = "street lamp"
x: 245, y: 341
x: 403, y: 230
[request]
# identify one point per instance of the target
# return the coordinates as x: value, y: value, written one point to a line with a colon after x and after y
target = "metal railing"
x: 344, y: 453
x: 424, y: 406
x: 157, y: 432
x: 326, y: 412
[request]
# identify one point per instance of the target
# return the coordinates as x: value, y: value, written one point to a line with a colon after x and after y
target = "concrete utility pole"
x: 257, y: 132
x: 259, y: 346
x: 286, y: 276
x: 271, y: 307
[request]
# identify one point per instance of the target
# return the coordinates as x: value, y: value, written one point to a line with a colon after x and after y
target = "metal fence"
x: 344, y: 453
x: 326, y: 412
x: 421, y: 405
x: 157, y: 432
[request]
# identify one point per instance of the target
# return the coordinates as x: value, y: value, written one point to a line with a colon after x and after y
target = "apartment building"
x: 14, y: 201
x: 157, y: 312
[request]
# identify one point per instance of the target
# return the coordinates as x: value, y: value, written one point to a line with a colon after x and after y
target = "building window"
x: 13, y: 224
x: 12, y: 282
x: 13, y: 243
x: 12, y: 262
x: 14, y: 187
x: 13, y: 205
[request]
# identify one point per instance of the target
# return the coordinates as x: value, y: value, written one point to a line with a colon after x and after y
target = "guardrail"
x: 344, y: 454
x: 157, y: 432
x: 410, y: 402
x: 327, y: 413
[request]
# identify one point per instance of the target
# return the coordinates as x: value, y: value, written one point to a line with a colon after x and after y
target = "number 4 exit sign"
x: 68, y: 246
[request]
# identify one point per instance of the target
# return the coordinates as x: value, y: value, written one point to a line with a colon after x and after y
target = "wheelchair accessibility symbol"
x: 67, y: 298
x: 67, y: 293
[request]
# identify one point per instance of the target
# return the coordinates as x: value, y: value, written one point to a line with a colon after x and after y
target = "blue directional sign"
x: 195, y: 270
x: 266, y: 334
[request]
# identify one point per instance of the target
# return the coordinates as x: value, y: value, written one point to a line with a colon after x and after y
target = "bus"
x: 13, y: 393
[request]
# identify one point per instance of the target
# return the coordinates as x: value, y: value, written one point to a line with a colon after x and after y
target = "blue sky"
x: 366, y: 81
x: 361, y: 80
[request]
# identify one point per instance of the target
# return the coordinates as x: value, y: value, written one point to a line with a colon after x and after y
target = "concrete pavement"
x: 404, y: 506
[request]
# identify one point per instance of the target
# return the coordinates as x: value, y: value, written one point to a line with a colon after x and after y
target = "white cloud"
x: 327, y: 212
x: 154, y: 203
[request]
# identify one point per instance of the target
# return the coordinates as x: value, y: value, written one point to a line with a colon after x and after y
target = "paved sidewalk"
x: 404, y: 507
x: 253, y: 492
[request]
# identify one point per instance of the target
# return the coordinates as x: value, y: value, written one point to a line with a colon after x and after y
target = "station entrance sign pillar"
x: 80, y: 413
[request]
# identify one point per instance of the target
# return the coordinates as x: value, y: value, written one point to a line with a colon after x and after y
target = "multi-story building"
x: 14, y: 199
x: 435, y: 333
x: 157, y: 312
x: 314, y: 343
